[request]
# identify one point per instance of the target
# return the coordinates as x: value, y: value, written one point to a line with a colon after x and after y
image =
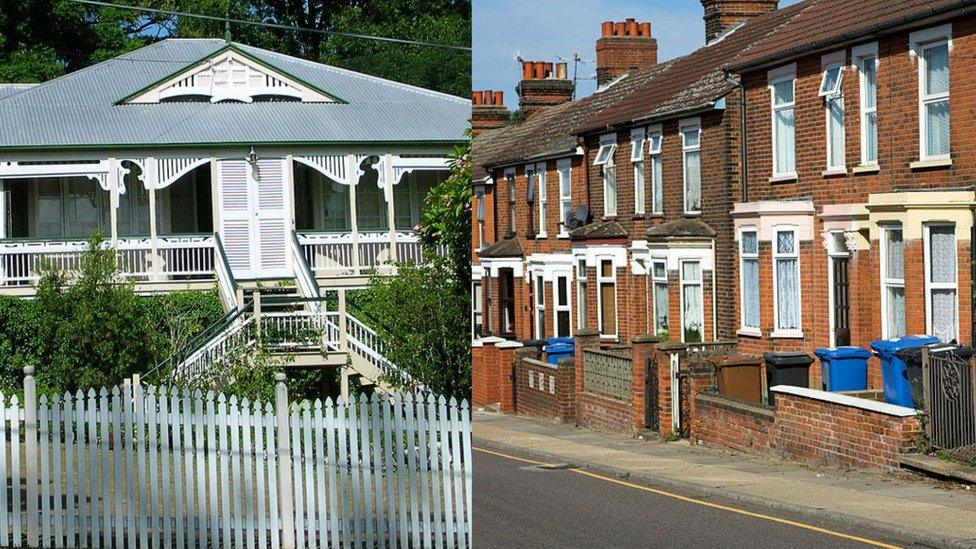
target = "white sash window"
x: 941, y: 284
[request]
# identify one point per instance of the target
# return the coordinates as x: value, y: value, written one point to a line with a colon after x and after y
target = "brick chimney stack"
x: 623, y: 46
x: 488, y: 111
x: 543, y: 85
x: 720, y: 15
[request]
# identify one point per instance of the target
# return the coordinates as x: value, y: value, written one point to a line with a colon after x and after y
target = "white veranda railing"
x: 335, y: 253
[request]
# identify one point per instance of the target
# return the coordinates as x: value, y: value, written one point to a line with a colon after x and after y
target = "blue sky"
x: 544, y: 30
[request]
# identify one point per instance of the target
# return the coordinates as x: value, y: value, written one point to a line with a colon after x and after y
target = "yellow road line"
x: 704, y: 503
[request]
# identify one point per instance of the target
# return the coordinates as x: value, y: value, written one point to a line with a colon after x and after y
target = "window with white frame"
x: 941, y: 284
x: 932, y: 49
x: 786, y: 281
x: 749, y: 278
x: 866, y: 61
x: 477, y: 313
x: 892, y: 282
x: 604, y: 159
x: 691, y: 153
x: 540, y: 306
x: 637, y: 159
x: 831, y: 89
x: 561, y: 308
x: 781, y: 86
x: 510, y: 179
x: 486, y: 282
x: 606, y: 280
x: 692, y: 307
x: 540, y: 179
x: 580, y: 293
x: 480, y: 214
x: 530, y: 198
x: 657, y: 177
x: 659, y: 280
x: 563, y: 168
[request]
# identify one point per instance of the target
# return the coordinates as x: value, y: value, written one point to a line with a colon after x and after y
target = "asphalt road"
x: 519, y: 504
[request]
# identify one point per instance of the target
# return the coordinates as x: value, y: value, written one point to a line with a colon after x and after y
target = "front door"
x: 841, y: 301
x: 254, y: 223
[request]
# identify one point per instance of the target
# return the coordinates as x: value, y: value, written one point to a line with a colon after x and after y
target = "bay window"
x: 749, y: 279
x: 637, y: 159
x: 477, y: 315
x: 692, y: 308
x: 657, y: 179
x: 659, y: 280
x: 786, y: 282
x: 580, y: 293
x: 931, y: 46
x: 565, y: 194
x: 604, y: 159
x: 781, y: 85
x: 691, y: 155
x: 941, y: 284
x: 866, y: 62
x: 606, y: 280
x: 561, y: 314
x: 892, y: 282
x: 540, y: 307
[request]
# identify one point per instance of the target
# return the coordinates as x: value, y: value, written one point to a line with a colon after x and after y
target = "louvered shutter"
x: 272, y: 229
x: 235, y: 215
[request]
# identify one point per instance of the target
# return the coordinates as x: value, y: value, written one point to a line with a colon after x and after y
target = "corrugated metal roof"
x: 6, y: 90
x: 80, y: 110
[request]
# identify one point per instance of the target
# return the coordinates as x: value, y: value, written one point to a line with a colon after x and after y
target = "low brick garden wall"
x: 546, y: 390
x: 605, y: 413
x: 733, y: 424
x: 810, y: 426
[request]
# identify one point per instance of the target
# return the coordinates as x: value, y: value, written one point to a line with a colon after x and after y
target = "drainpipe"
x: 972, y: 282
x: 714, y: 296
x: 743, y: 147
x: 586, y: 172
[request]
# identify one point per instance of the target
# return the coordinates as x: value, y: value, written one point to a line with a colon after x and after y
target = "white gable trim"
x: 230, y: 76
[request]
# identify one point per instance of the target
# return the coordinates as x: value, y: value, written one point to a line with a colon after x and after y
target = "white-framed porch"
x: 167, y: 212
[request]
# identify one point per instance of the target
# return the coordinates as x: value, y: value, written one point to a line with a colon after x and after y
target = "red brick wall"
x: 605, y: 413
x: 806, y: 429
x: 720, y: 421
x: 554, y: 398
x: 897, y: 108
x: 484, y: 375
x: 823, y: 432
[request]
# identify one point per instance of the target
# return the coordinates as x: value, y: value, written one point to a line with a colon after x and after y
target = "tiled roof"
x: 824, y: 23
x: 549, y: 131
x: 688, y: 82
x: 681, y: 228
x: 506, y: 247
x: 600, y: 229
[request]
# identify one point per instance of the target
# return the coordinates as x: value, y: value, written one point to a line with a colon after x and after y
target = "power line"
x: 274, y: 25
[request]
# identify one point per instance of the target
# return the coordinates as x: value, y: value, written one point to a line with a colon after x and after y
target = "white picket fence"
x: 160, y: 467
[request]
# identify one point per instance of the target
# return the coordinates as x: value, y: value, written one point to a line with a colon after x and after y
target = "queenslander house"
x: 791, y: 185
x: 211, y: 163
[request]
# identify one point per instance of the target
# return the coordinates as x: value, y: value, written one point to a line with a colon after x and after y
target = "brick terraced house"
x: 798, y: 182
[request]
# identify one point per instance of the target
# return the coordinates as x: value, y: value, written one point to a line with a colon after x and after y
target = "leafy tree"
x: 424, y: 321
x: 41, y: 39
x: 423, y: 312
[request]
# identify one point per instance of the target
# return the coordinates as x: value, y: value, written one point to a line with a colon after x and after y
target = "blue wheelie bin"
x: 844, y: 368
x: 893, y: 369
x: 558, y: 348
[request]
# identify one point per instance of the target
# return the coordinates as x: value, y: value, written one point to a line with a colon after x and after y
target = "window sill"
x: 786, y: 334
x: 784, y: 178
x: 637, y: 217
x: 866, y: 168
x: 656, y: 215
x: 541, y: 236
x: 749, y: 332
x: 562, y: 235
x: 609, y: 217
x: 691, y: 214
x: 611, y: 338
x: 834, y: 172
x: 932, y: 163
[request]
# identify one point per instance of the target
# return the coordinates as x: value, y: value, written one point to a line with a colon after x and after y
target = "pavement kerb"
x: 699, y: 490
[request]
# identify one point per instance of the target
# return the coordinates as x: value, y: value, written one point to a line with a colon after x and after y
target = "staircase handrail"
x: 307, y: 284
x: 226, y: 284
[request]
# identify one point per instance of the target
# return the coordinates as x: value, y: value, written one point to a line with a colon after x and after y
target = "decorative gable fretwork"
x: 230, y: 76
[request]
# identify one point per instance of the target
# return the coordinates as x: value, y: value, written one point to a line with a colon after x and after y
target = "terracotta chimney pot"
x: 606, y: 28
x: 499, y: 99
x: 476, y: 97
